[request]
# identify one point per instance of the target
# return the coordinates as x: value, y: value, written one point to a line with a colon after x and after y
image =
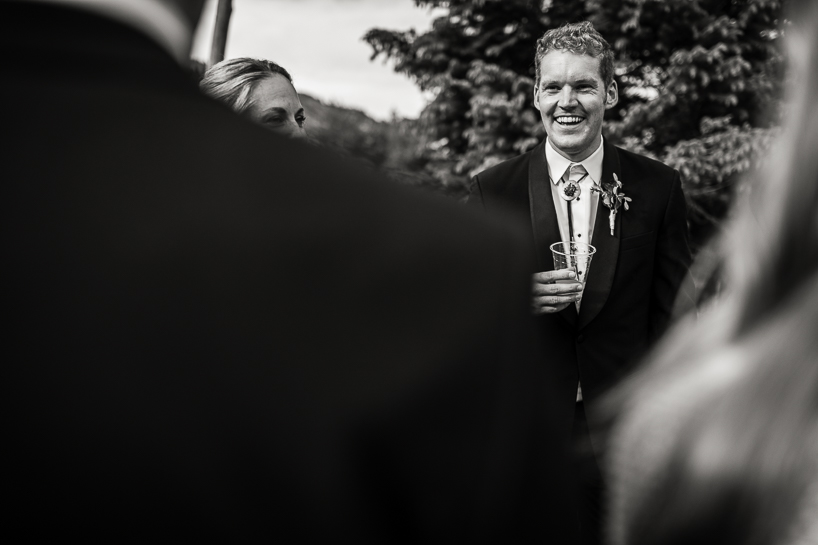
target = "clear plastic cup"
x: 573, y: 255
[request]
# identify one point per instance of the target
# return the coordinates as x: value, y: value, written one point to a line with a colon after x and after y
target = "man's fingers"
x: 550, y: 296
x: 551, y: 276
x: 556, y: 289
x: 539, y: 309
x: 555, y: 300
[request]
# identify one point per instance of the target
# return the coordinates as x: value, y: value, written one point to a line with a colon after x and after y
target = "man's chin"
x: 569, y: 145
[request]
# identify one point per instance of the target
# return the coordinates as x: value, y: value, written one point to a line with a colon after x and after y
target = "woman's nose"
x: 298, y: 132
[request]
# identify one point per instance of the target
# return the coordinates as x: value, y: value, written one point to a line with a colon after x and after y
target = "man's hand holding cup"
x: 553, y: 291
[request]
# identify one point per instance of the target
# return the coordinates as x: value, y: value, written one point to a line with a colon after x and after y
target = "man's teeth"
x: 568, y: 120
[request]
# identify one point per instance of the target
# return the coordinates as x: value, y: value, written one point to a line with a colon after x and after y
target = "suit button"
x: 580, y: 338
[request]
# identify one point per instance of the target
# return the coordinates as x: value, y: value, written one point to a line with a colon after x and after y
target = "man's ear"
x: 611, y: 96
x: 537, y: 97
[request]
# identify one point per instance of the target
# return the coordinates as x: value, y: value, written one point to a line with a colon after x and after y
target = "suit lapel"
x: 544, y: 222
x: 603, y: 265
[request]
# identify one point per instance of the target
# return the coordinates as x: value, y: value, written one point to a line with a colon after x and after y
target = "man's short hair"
x: 231, y: 81
x: 581, y: 39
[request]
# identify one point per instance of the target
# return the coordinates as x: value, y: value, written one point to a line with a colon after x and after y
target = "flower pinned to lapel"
x: 612, y: 197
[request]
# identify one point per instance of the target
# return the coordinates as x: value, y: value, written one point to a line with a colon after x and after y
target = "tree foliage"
x: 388, y: 146
x: 699, y: 82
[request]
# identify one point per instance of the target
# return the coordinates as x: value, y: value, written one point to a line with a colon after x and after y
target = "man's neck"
x: 159, y: 19
x: 582, y: 155
x: 558, y: 163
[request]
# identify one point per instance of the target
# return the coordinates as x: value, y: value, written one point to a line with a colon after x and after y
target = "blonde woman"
x: 260, y: 89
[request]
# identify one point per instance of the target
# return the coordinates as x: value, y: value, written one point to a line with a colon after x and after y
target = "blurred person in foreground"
x: 259, y: 89
x: 642, y: 253
x: 717, y: 438
x: 217, y: 333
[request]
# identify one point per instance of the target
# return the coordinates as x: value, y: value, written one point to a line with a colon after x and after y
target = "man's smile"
x: 568, y: 120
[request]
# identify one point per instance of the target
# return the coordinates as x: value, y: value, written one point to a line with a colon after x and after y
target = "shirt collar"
x: 557, y: 164
x: 159, y: 19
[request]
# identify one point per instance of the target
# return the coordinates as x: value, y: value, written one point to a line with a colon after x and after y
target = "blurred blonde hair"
x: 757, y: 479
x: 231, y: 81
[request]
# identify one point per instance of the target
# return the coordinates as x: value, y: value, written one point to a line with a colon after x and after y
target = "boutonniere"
x: 612, y: 197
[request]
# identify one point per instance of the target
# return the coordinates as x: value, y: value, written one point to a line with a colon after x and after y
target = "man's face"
x: 572, y: 99
x: 275, y: 105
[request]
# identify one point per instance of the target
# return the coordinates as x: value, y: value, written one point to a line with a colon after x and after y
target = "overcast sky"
x: 319, y: 43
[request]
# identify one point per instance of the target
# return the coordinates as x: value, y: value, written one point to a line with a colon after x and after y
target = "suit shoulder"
x: 506, y: 168
x: 506, y: 181
x: 508, y: 164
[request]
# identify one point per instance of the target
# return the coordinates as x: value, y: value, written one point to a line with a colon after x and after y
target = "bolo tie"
x: 571, y: 190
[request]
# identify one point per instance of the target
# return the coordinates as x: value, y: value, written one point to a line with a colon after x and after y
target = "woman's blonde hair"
x: 756, y: 481
x: 231, y: 81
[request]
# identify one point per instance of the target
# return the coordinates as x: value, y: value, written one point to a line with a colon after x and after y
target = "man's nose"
x: 567, y: 97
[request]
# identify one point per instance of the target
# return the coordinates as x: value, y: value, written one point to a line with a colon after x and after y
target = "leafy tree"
x: 385, y: 146
x: 346, y: 130
x: 699, y: 83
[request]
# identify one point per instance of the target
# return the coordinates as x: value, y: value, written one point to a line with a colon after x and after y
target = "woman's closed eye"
x: 275, y: 116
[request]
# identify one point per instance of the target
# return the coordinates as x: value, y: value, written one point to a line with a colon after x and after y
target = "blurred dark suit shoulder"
x: 222, y: 335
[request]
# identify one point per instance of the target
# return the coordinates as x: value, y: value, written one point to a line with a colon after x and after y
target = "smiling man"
x: 642, y: 253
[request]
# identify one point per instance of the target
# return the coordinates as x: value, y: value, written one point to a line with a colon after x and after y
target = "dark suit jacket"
x: 634, y: 276
x: 215, y: 334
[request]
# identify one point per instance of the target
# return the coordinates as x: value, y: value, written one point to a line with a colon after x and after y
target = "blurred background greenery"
x: 699, y: 80
x: 700, y: 86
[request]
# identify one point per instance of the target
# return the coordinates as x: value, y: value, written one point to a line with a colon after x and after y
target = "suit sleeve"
x: 672, y: 263
x: 478, y: 456
x: 527, y: 469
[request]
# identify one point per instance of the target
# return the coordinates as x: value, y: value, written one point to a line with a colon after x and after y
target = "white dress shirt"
x: 584, y: 207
